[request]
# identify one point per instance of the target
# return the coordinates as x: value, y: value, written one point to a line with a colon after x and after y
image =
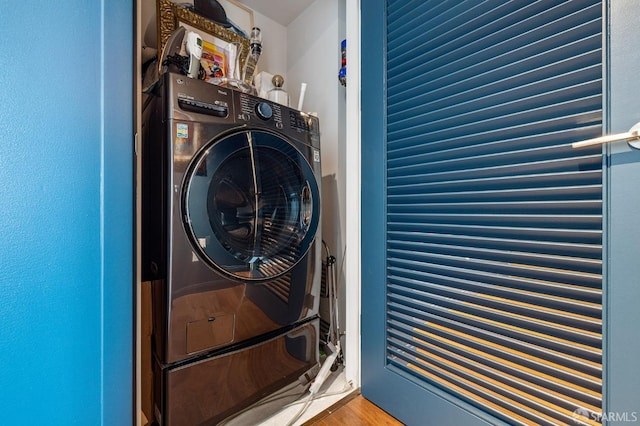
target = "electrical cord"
x: 325, y: 371
x: 332, y: 290
x: 333, y: 338
x: 348, y: 387
x: 178, y: 61
x: 306, y: 405
x: 284, y: 393
x: 310, y: 399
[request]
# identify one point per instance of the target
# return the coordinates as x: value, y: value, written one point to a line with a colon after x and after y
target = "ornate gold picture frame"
x: 171, y: 16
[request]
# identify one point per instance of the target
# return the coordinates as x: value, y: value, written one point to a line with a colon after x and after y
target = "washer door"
x: 250, y: 205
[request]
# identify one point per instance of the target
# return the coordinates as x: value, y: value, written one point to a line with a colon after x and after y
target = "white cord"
x: 333, y: 340
x: 302, y: 410
x: 348, y: 387
x: 310, y: 398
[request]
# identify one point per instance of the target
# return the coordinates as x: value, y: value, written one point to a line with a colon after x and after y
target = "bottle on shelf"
x: 254, y: 54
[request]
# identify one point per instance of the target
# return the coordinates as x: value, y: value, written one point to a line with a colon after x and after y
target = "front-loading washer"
x: 231, y: 243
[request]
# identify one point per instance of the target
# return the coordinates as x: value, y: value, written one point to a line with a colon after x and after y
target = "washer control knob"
x: 264, y: 110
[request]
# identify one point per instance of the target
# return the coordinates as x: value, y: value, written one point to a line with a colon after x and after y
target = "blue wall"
x: 66, y: 259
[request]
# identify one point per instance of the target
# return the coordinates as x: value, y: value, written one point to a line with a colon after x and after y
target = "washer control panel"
x: 192, y: 100
x: 190, y: 96
x: 255, y: 111
x: 300, y: 121
x: 217, y: 108
x: 252, y: 107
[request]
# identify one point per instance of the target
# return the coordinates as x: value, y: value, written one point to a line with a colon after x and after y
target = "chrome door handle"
x: 632, y: 137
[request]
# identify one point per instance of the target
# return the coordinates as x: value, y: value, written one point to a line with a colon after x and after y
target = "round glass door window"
x: 250, y: 205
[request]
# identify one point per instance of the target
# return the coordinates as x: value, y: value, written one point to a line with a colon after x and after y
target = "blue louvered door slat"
x: 492, y: 222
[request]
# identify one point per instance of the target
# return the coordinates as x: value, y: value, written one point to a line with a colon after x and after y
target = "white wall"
x: 274, y: 46
x: 313, y: 57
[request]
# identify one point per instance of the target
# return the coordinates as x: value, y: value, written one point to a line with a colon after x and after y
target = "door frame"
x: 353, y: 201
x: 621, y: 376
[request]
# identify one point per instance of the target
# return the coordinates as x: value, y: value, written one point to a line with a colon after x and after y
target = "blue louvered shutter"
x: 493, y: 221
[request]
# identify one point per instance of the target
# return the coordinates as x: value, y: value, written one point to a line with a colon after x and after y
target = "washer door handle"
x: 306, y: 206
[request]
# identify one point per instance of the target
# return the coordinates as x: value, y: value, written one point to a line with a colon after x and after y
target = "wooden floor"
x: 354, y: 410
